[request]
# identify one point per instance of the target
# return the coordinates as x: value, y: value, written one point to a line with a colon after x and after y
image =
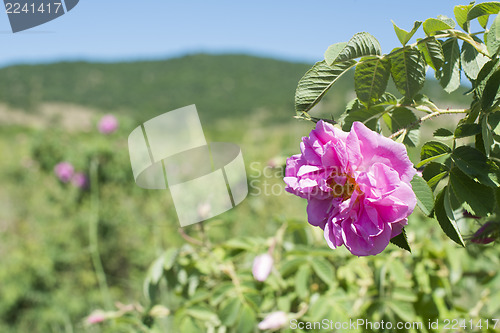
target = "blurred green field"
x: 47, y: 279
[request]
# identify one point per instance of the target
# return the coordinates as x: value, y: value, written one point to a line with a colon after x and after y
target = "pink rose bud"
x: 108, y: 124
x: 96, y: 317
x: 486, y: 234
x: 79, y: 180
x: 274, y: 321
x: 262, y: 266
x: 64, y: 171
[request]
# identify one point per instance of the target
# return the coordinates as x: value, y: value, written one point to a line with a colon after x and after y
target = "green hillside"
x: 222, y: 86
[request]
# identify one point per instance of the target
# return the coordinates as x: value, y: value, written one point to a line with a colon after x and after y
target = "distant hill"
x: 220, y: 86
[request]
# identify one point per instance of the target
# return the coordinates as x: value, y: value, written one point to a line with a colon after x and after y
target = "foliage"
x: 464, y: 176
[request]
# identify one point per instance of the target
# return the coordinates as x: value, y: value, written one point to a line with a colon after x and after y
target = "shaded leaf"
x: 316, y: 82
x: 465, y: 130
x: 360, y: 45
x: 475, y: 164
x: 370, y: 79
x: 323, y: 268
x: 302, y: 281
x: 433, y: 173
x: 401, y: 241
x: 247, y: 320
x: 229, y: 312
x: 408, y: 71
x: 490, y: 96
x: 432, y: 51
x: 493, y: 36
x: 369, y: 117
x: 479, y: 199
x: 443, y: 132
x: 449, y: 227
x: 432, y: 150
x: 472, y: 61
x: 487, y: 135
x: 449, y: 74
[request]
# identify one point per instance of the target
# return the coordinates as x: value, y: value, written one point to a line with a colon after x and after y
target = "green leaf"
x: 489, y: 98
x: 443, y: 132
x: 387, y: 99
x: 485, y: 8
x: 425, y: 198
x: 493, y: 36
x: 433, y: 173
x: 369, y: 117
x: 472, y: 60
x: 432, y: 150
x: 400, y: 118
x: 370, y: 79
x: 475, y: 164
x: 465, y: 130
x: 360, y: 45
x: 483, y: 20
x: 449, y: 74
x: 408, y: 71
x: 316, y: 82
x: 432, y: 25
x: 333, y: 51
x: 203, y: 313
x: 169, y: 258
x: 449, y: 227
x: 487, y: 135
x: 432, y: 51
x: 229, y: 311
x: 461, y: 12
x: 484, y: 74
x: 302, y: 281
x: 403, y: 35
x: 479, y: 199
x: 323, y: 268
x: 247, y: 321
x: 401, y: 241
x: 289, y: 266
x: 189, y: 325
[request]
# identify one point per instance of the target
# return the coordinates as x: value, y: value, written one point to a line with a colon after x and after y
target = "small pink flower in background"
x: 64, y: 171
x: 274, y: 321
x: 96, y: 317
x: 79, y: 180
x: 108, y: 124
x: 488, y: 233
x: 357, y: 185
x: 262, y: 265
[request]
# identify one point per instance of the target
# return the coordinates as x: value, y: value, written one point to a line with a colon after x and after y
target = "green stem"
x: 93, y: 235
x: 427, y: 117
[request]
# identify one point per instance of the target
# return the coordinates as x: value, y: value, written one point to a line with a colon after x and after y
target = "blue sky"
x: 115, y: 30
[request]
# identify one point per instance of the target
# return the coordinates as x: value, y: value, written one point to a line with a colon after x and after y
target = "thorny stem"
x: 427, y: 117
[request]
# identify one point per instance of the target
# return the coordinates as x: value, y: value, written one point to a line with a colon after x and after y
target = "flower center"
x: 343, y: 191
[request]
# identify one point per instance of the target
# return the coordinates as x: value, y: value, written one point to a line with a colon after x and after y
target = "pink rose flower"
x: 79, y: 180
x: 274, y: 321
x: 357, y: 185
x: 108, y: 124
x: 262, y: 265
x: 488, y: 233
x: 64, y: 171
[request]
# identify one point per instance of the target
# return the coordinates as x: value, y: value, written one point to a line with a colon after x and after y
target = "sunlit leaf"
x: 316, y: 82
x: 370, y: 79
x: 432, y: 51
x: 403, y: 35
x: 408, y: 71
x: 449, y: 227
x: 360, y: 45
